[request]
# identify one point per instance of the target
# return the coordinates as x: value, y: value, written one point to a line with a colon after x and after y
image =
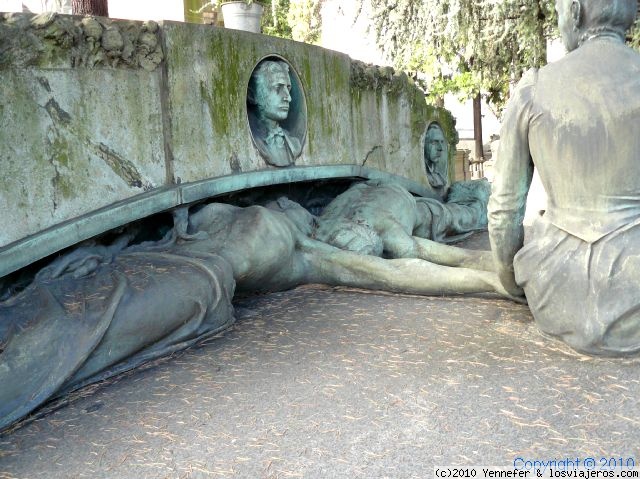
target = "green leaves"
x: 635, y: 35
x: 465, y: 46
x: 274, y: 20
x: 305, y: 20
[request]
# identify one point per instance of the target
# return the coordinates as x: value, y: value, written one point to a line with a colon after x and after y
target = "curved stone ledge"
x: 35, y: 247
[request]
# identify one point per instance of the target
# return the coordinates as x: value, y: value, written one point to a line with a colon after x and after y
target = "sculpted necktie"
x: 275, y: 137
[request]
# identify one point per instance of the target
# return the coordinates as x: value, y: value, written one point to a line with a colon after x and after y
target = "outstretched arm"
x: 513, y: 173
x: 322, y: 263
x: 453, y: 256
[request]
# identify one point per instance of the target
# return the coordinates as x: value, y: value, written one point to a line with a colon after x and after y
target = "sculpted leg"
x: 398, y: 244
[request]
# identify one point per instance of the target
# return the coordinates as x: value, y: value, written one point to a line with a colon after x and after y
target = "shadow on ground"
x: 331, y: 382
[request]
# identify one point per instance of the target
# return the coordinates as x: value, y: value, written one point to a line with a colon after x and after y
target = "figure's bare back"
x: 258, y: 243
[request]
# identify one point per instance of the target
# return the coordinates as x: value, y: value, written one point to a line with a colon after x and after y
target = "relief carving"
x: 50, y: 39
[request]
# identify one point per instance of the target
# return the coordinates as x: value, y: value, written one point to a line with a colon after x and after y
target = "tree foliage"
x: 465, y: 46
x: 274, y: 20
x: 305, y: 20
x: 634, y: 35
x: 468, y: 46
x: 295, y: 19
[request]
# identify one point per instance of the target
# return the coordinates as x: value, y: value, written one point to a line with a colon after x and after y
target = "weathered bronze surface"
x: 101, y: 310
x: 578, y: 121
x: 269, y: 102
x: 436, y: 156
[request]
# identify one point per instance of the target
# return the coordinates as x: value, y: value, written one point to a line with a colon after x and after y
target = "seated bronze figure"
x: 576, y: 120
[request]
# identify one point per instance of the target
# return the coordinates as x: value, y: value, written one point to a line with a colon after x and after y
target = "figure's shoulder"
x: 630, y: 58
x: 529, y: 78
x: 528, y: 81
x: 525, y: 88
x: 593, y: 63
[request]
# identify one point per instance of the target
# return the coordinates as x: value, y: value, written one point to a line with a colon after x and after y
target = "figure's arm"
x: 513, y: 173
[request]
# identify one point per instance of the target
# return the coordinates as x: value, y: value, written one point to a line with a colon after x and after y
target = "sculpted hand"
x: 508, y: 281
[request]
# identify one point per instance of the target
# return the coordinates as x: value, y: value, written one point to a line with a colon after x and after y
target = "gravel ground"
x: 332, y: 382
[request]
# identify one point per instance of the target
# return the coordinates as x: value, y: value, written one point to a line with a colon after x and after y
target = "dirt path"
x: 320, y: 382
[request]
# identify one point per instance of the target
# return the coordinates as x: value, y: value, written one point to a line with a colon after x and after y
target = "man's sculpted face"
x: 275, y: 97
x: 436, y: 145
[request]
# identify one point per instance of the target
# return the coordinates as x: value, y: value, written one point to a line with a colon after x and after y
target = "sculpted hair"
x: 257, y: 82
x: 616, y: 15
x: 433, y: 127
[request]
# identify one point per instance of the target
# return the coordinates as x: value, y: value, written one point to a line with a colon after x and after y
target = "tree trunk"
x: 477, y: 126
x: 99, y: 8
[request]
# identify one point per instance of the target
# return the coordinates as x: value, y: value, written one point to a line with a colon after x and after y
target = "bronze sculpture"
x: 129, y: 303
x: 436, y: 156
x: 577, y: 121
x: 269, y: 101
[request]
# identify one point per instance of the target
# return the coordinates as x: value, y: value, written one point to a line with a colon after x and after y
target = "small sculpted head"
x: 580, y: 20
x: 355, y: 236
x: 270, y: 90
x: 468, y: 192
x: 301, y: 218
x: 435, y: 145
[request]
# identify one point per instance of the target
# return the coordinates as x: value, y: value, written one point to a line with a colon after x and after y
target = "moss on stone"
x: 60, y: 151
x: 60, y: 160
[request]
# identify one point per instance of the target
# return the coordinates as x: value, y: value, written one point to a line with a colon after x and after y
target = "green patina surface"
x: 223, y: 61
x: 44, y: 243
